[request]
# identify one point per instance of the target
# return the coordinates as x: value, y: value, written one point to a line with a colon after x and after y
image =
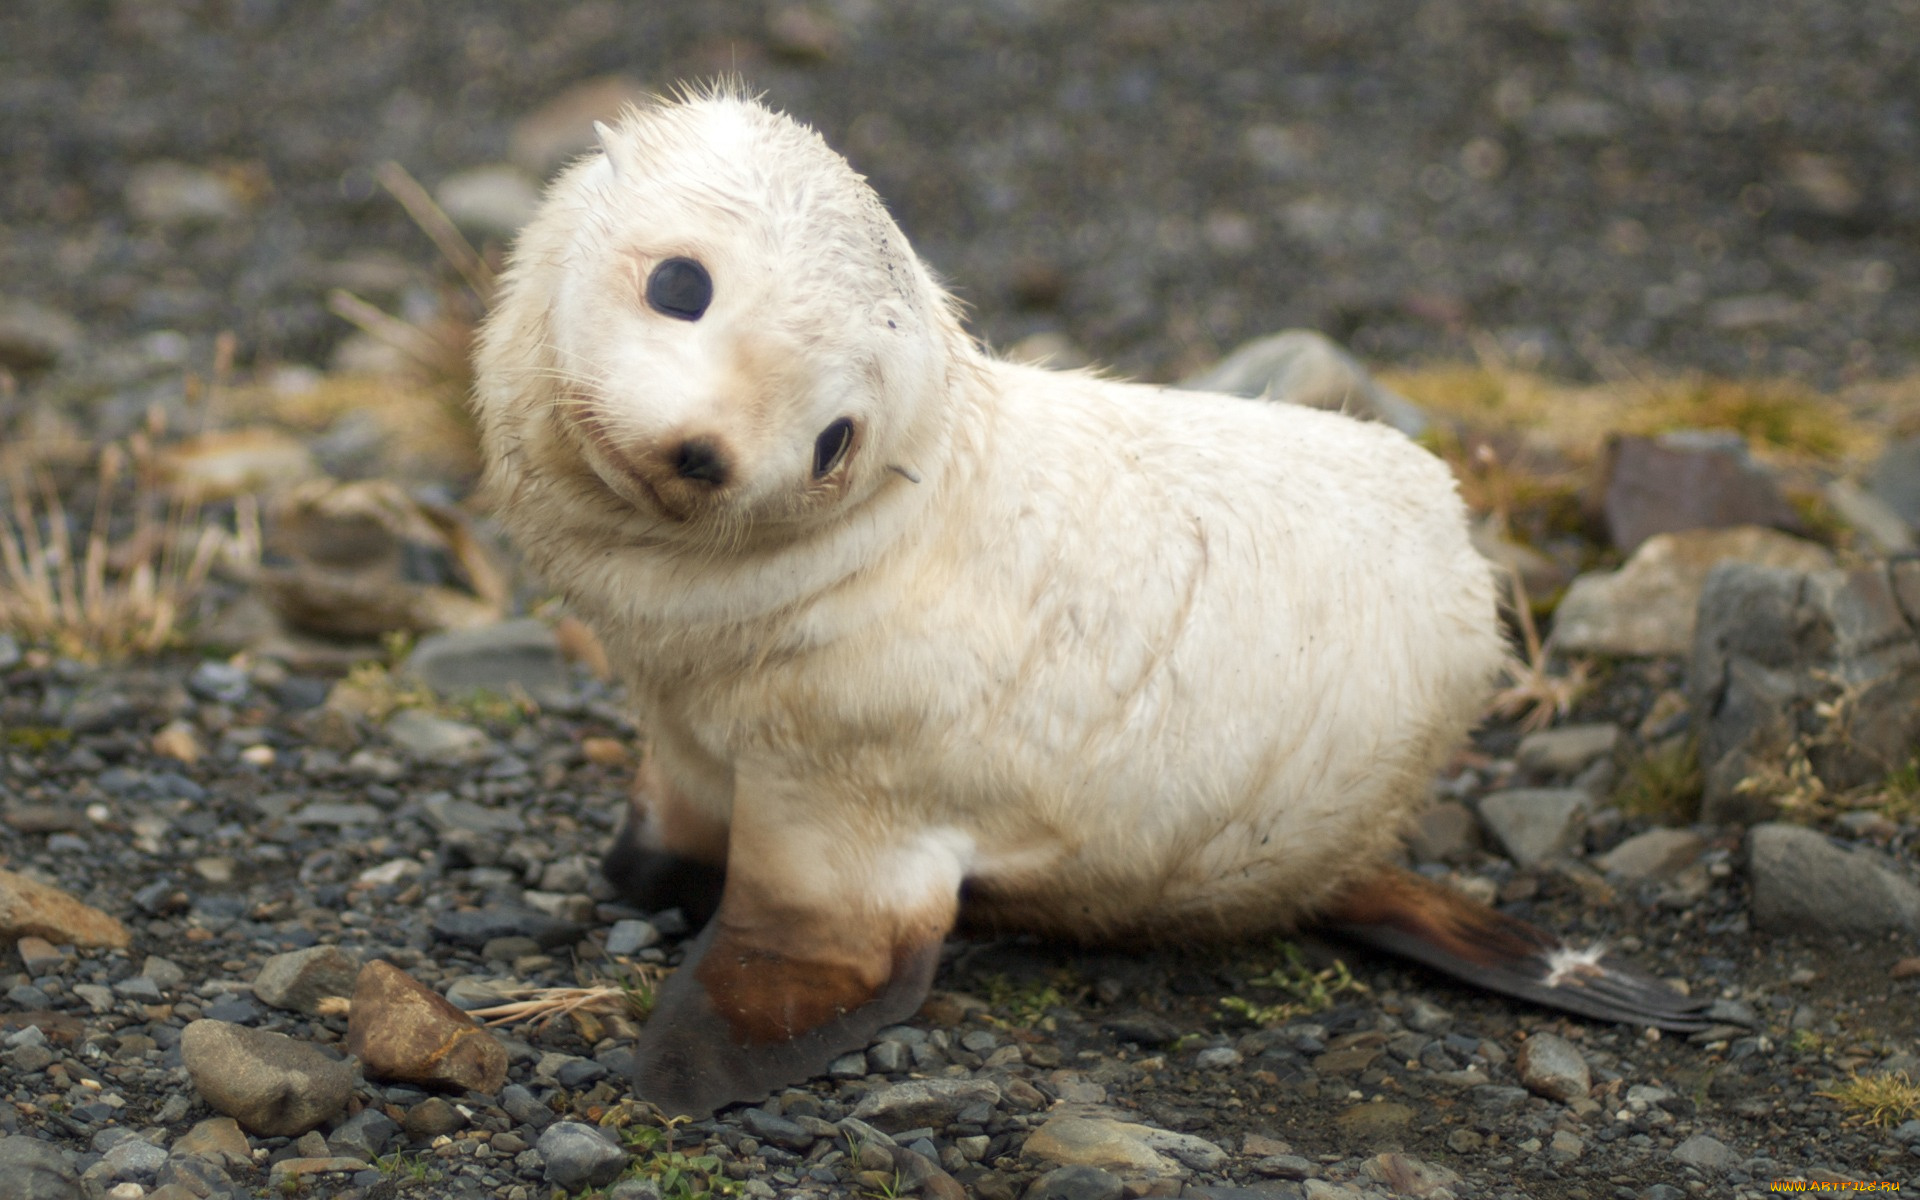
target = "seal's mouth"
x: 626, y: 475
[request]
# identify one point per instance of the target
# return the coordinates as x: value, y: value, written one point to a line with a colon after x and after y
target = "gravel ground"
x: 1729, y: 187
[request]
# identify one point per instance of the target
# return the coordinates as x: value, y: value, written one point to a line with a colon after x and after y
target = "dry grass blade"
x: 1533, y: 694
x: 434, y: 222
x: 101, y: 601
x: 546, y: 1004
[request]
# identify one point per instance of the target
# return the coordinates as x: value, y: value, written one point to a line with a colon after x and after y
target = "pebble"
x: 37, y: 1170
x: 918, y: 1102
x: 1096, y: 1142
x: 1801, y: 882
x: 402, y: 1030
x: 1535, y: 824
x: 475, y: 928
x: 1405, y: 1175
x: 1707, y: 1153
x: 1564, y: 751
x: 300, y: 979
x: 1302, y: 366
x: 32, y: 909
x: 579, y: 1156
x: 1551, y: 1066
x: 1655, y: 854
x: 366, y: 1135
x: 501, y: 658
x: 1077, y: 1183
x: 439, y: 740
x: 271, y: 1084
x: 216, y: 1138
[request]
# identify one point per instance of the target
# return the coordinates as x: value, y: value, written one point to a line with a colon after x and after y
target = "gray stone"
x: 1300, y: 366
x: 135, y: 1158
x: 33, y: 336
x: 1870, y: 516
x: 888, y: 1058
x: 475, y: 928
x: 300, y: 979
x: 1566, y: 750
x: 1803, y: 670
x: 1551, y: 1066
x: 511, y: 656
x: 1077, y: 1183
x: 492, y: 199
x: 1895, y: 479
x: 1443, y: 832
x: 1650, y: 606
x: 630, y: 936
x: 270, y: 1083
x: 428, y: 738
x: 918, y: 1102
x: 579, y: 1156
x: 1535, y: 824
x: 37, y: 1170
x: 1801, y: 882
x: 1706, y: 1153
x: 1655, y: 854
x: 452, y: 815
x: 778, y: 1130
x: 165, y: 973
x: 1425, y: 1016
x: 363, y: 1135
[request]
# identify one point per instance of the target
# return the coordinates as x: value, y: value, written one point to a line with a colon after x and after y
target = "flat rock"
x: 1300, y: 366
x: 1564, y: 751
x: 271, y: 1084
x: 300, y: 979
x: 1801, y: 882
x: 1655, y: 854
x: 502, y: 658
x: 476, y: 927
x: 32, y: 909
x: 1535, y: 824
x: 1650, y: 605
x: 1551, y: 1066
x: 435, y: 739
x: 1707, y: 1153
x: 1366, y: 1122
x: 1097, y: 1142
x: 400, y: 1029
x: 1885, y: 530
x: 286, y: 1174
x: 1405, y: 1175
x: 1686, y: 480
x: 920, y: 1102
x: 37, y: 1170
x: 578, y: 1156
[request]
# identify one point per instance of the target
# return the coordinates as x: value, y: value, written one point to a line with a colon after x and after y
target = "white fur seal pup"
x: 910, y: 628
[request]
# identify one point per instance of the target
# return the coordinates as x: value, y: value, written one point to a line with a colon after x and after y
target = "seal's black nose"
x: 700, y: 460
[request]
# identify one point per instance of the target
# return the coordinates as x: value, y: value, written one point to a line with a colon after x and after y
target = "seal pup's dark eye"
x: 831, y: 446
x: 680, y: 287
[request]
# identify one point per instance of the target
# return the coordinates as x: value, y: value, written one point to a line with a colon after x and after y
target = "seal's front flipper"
x: 667, y: 854
x: 1435, y: 925
x: 814, y: 949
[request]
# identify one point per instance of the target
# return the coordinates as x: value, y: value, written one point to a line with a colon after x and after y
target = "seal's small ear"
x: 611, y: 146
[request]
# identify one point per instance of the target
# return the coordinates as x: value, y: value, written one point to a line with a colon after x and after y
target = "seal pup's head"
x: 712, y: 334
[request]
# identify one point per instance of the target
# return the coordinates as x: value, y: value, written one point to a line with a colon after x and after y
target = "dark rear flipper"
x: 1430, y: 923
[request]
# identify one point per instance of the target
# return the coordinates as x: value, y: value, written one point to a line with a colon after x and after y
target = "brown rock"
x: 1906, y: 968
x: 1404, y: 1175
x: 402, y: 1030
x: 34, y: 909
x: 1364, y: 1122
x: 1686, y: 481
x: 217, y: 1138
